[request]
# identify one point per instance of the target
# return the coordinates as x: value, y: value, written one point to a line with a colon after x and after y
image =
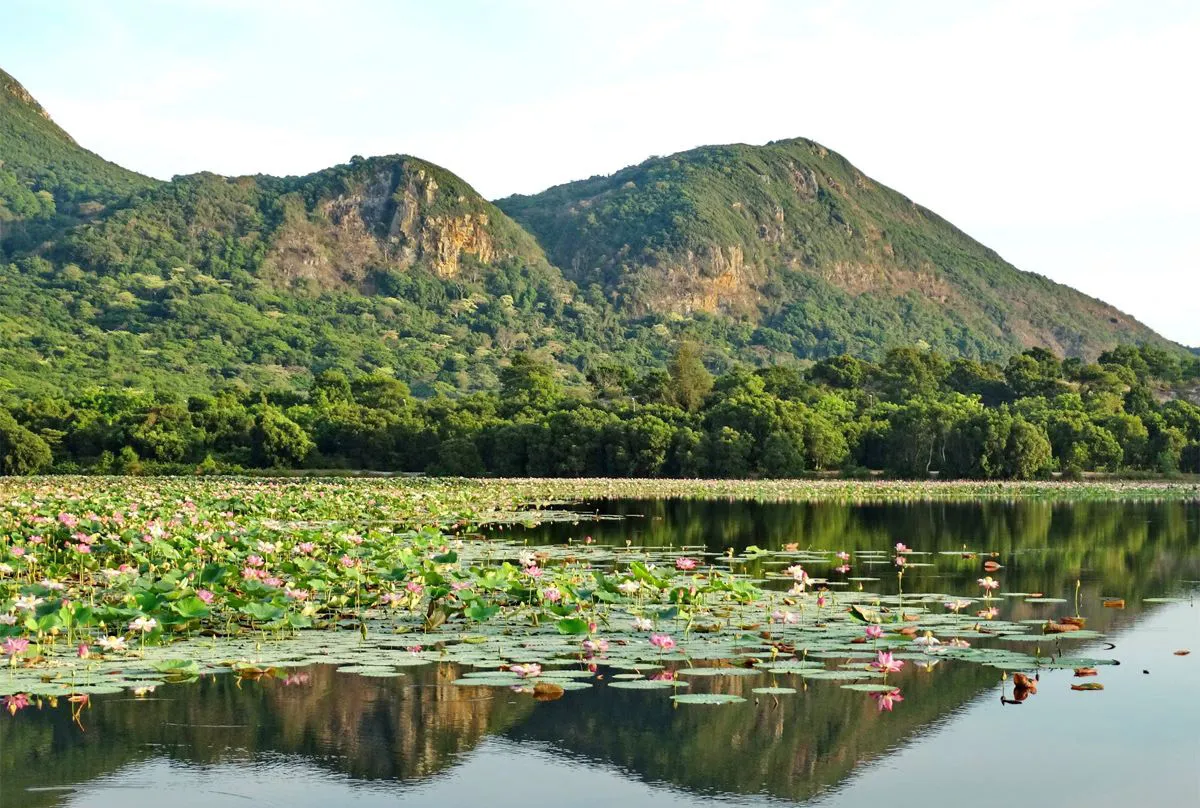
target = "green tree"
x: 690, y: 380
x: 21, y: 451
x: 279, y: 442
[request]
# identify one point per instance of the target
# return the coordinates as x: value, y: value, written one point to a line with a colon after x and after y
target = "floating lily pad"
x: 706, y: 698
x: 870, y: 688
x: 648, y: 684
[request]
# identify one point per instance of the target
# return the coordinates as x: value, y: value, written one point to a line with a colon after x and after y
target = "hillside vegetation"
x: 822, y: 259
x: 396, y: 268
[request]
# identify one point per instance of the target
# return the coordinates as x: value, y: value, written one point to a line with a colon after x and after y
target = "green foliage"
x: 909, y: 416
x: 21, y: 451
x: 831, y: 261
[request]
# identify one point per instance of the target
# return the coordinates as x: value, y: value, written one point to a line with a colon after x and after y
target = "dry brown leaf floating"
x: 1182, y: 652
x: 1088, y: 686
x: 1059, y: 628
x: 544, y: 691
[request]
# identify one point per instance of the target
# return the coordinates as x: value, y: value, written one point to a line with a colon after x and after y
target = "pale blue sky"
x: 1063, y: 134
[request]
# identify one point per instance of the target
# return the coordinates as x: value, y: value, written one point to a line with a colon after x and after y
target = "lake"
x: 961, y: 735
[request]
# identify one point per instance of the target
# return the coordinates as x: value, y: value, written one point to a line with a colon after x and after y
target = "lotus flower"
x: 886, y: 664
x: 143, y: 624
x: 17, y: 701
x: 662, y: 642
x: 685, y: 564
x: 111, y: 643
x: 887, y: 700
x: 527, y: 671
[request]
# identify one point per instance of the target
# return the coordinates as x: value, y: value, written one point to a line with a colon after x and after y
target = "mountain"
x: 819, y: 257
x: 764, y: 255
x: 44, y: 173
x: 389, y: 264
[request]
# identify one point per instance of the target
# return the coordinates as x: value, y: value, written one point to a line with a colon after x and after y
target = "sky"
x: 1062, y: 134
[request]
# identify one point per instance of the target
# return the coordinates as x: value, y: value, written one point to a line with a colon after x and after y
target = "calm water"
x: 340, y: 739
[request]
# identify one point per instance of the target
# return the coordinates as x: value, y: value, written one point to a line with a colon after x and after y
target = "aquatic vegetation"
x: 183, y: 578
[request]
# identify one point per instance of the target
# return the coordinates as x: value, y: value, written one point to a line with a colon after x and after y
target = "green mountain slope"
x: 44, y: 173
x: 389, y: 264
x: 822, y: 259
x: 764, y: 255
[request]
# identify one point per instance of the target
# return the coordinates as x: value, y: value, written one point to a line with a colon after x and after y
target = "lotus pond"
x: 425, y: 642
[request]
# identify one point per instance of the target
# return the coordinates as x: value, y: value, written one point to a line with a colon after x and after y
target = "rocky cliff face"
x: 391, y: 214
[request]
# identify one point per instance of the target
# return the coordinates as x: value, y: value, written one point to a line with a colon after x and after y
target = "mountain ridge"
x: 725, y: 224
x: 764, y: 254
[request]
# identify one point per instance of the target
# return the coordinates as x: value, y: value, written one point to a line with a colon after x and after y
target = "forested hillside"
x: 394, y: 267
x: 820, y: 258
x: 913, y: 414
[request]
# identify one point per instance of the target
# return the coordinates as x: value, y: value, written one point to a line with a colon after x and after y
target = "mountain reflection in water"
x: 331, y: 738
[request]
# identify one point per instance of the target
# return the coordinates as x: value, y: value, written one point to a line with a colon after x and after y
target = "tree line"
x: 913, y: 414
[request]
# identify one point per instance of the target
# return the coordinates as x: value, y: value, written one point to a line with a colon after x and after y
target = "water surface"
x: 329, y: 738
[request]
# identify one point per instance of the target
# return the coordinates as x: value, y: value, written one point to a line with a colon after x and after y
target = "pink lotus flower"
x: 887, y: 699
x: 254, y: 561
x: 886, y: 664
x: 843, y: 556
x: 596, y: 646
x: 685, y: 564
x: 18, y: 551
x: 306, y: 547
x: 662, y: 642
x: 17, y: 701
x: 347, y: 562
x: 204, y: 595
x: 988, y: 613
x: 956, y: 605
x: 14, y: 645
x: 83, y: 652
x: 821, y: 600
x: 782, y: 616
x: 414, y: 587
x: 83, y: 549
x: 552, y: 594
x: 901, y: 547
x: 296, y: 594
x: 143, y: 624
x: 901, y: 561
x: 874, y: 632
x: 527, y: 671
x: 989, y: 584
x: 844, y: 568
x: 534, y: 571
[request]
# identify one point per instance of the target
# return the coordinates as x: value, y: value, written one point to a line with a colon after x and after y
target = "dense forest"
x: 913, y: 414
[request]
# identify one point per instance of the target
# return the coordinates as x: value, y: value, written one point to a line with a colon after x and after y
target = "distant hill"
x: 819, y: 257
x: 764, y: 255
